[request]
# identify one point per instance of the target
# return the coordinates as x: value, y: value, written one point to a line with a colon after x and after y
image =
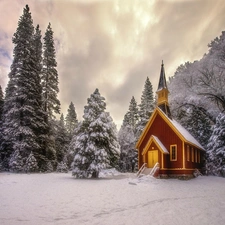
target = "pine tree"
x: 216, y: 148
x: 50, y: 89
x: 1, y: 103
x: 22, y: 112
x: 77, y: 149
x: 127, y: 141
x: 94, y: 143
x: 1, y: 129
x: 61, y: 140
x: 6, y: 148
x: 196, y: 122
x: 1, y: 112
x: 145, y: 108
x: 50, y: 76
x: 132, y: 114
x: 71, y: 119
x: 128, y: 157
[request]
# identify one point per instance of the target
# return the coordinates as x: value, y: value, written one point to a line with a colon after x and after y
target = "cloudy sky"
x: 113, y: 45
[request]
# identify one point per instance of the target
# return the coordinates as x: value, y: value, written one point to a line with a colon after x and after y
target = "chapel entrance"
x: 152, y: 158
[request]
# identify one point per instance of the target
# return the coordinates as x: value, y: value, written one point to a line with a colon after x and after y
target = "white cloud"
x: 114, y: 45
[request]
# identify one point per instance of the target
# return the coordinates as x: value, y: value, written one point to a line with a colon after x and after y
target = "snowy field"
x: 117, y: 200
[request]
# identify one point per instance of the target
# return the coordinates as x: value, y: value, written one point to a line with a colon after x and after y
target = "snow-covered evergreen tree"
x: 71, y: 119
x: 1, y: 103
x: 146, y: 107
x: 16, y: 162
x: 50, y: 76
x: 127, y: 140
x: 31, y: 164
x: 197, y: 122
x: 127, y: 132
x: 51, y: 103
x: 22, y: 115
x: 1, y: 129
x: 61, y: 140
x: 216, y: 148
x: 62, y: 167
x: 94, y: 143
x: 132, y: 116
x: 24, y: 120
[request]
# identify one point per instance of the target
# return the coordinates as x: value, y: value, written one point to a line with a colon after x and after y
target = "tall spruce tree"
x: 95, y: 143
x: 23, y: 93
x: 51, y: 103
x: 1, y: 130
x: 146, y: 107
x: 127, y: 138
x: 132, y: 116
x: 1, y: 103
x: 71, y: 119
x: 50, y: 76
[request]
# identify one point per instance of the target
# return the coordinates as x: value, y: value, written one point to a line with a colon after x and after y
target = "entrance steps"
x: 144, y: 171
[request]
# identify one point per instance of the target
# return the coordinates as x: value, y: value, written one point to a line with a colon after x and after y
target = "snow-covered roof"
x: 163, y: 148
x: 186, y: 135
x: 178, y: 129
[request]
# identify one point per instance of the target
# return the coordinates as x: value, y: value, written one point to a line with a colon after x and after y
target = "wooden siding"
x: 168, y: 137
x: 198, y: 162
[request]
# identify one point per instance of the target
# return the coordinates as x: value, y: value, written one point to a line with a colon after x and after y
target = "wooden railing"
x: 154, y: 169
x: 141, y: 169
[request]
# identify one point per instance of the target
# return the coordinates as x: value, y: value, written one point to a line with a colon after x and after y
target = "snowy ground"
x: 119, y: 200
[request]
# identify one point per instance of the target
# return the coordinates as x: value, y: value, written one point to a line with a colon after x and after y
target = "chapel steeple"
x: 163, y: 92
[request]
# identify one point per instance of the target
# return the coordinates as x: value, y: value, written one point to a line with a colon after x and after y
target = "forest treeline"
x: 33, y: 140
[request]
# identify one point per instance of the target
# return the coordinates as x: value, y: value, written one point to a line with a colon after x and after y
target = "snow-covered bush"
x: 31, y: 164
x: 16, y: 163
x: 62, y: 167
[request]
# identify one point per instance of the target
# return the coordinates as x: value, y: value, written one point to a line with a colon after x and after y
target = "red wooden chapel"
x: 165, y: 141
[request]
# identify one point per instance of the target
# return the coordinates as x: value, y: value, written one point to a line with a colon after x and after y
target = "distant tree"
x: 127, y: 141
x: 61, y: 140
x: 71, y: 119
x: 132, y: 116
x: 216, y: 148
x: 127, y: 137
x: 94, y: 143
x: 146, y: 107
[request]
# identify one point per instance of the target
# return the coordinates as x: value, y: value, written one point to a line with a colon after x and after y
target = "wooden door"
x: 152, y: 158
